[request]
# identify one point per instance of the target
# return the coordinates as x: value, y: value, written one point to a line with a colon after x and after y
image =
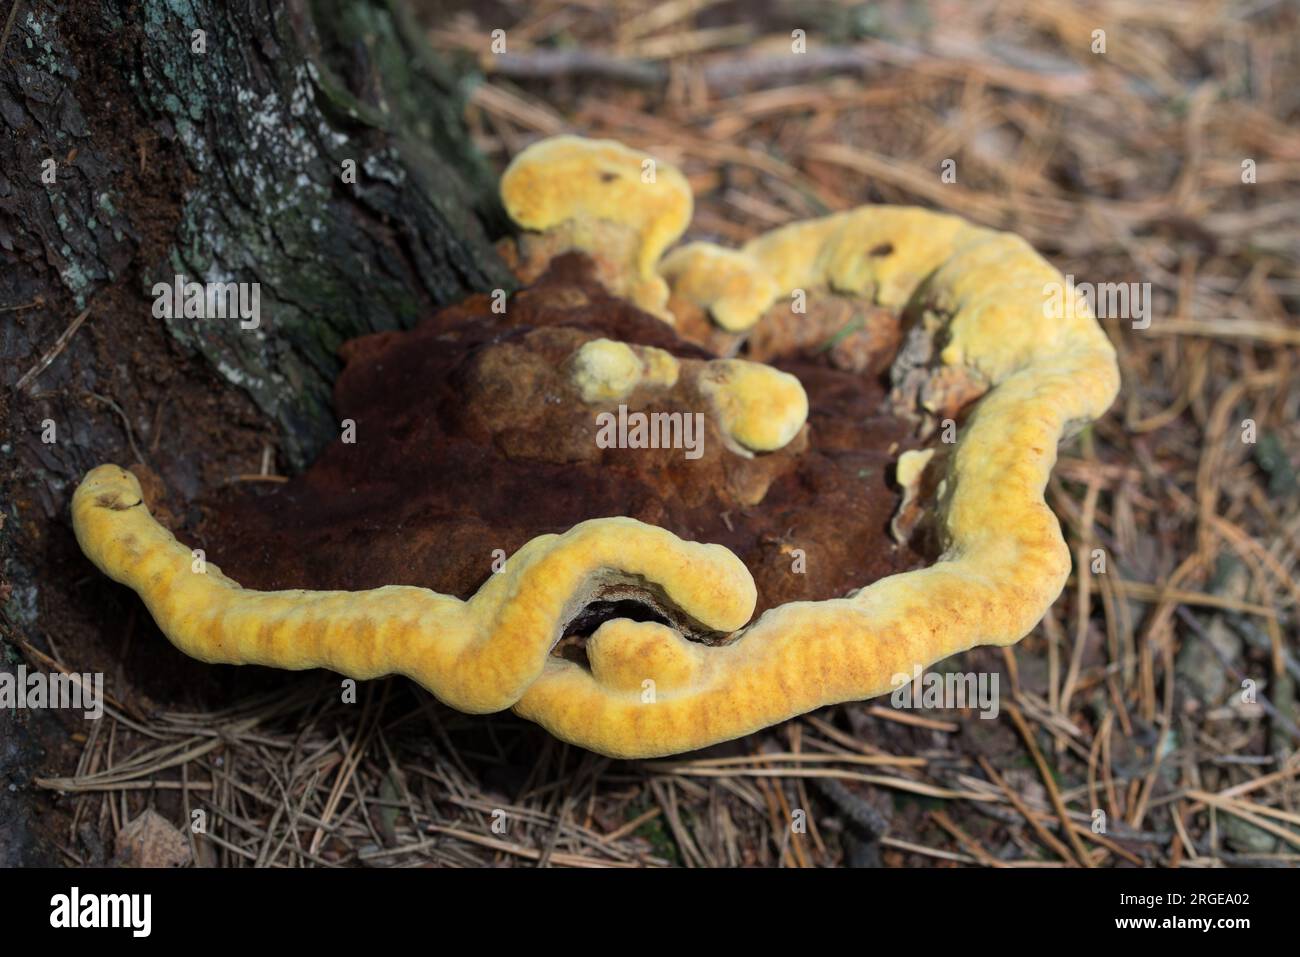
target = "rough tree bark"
x: 140, y: 139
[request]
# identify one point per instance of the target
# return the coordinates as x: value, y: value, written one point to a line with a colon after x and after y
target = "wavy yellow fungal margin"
x: 1004, y: 559
x: 607, y: 200
x: 477, y: 656
x: 730, y: 285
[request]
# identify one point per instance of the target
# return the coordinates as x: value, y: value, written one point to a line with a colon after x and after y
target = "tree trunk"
x: 213, y: 140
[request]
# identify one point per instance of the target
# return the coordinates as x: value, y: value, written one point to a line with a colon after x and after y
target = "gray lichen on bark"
x: 267, y: 117
x: 84, y: 236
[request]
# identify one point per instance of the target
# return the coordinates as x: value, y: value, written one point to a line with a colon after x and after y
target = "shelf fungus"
x: 660, y: 501
x: 621, y: 207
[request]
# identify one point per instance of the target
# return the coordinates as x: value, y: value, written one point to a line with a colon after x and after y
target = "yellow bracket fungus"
x: 599, y: 196
x: 477, y: 656
x: 604, y: 369
x: 730, y: 285
x: 653, y: 688
x: 1004, y: 560
x: 758, y: 408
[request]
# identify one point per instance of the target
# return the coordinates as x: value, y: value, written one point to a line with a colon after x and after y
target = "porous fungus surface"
x: 471, y: 435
